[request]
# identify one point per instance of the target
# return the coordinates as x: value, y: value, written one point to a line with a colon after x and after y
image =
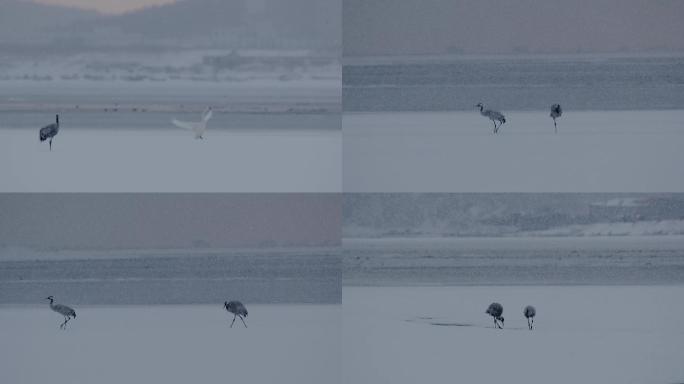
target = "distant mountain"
x: 407, y: 215
x: 398, y: 27
x: 271, y: 24
x: 24, y: 21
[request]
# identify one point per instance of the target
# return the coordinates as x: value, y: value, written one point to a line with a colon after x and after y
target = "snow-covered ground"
x: 171, y: 160
x: 594, y: 151
x: 619, y: 334
x: 171, y: 344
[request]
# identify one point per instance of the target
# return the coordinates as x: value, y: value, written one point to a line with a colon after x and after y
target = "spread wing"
x: 183, y: 124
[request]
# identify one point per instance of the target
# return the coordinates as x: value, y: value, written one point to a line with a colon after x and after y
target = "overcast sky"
x: 377, y: 27
x: 140, y: 221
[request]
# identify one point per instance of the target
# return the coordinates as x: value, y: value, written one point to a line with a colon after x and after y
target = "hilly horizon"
x: 297, y: 24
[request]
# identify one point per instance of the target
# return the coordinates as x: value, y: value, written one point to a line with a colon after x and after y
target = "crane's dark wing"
x: 48, y: 131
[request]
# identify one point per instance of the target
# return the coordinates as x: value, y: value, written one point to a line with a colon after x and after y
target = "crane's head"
x: 51, y: 298
x: 479, y: 105
x: 225, y: 304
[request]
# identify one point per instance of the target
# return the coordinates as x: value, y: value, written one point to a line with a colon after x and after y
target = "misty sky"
x: 127, y: 221
x: 107, y: 6
x: 380, y: 27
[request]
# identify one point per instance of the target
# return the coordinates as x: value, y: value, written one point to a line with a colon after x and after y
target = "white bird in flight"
x: 197, y: 127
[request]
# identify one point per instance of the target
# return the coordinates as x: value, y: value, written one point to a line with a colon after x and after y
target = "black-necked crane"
x: 495, y: 310
x: 530, y: 313
x: 48, y: 132
x: 492, y: 115
x: 237, y: 309
x: 556, y: 112
x: 63, y: 310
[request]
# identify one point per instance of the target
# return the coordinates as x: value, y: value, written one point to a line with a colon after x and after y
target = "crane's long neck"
x: 52, y: 305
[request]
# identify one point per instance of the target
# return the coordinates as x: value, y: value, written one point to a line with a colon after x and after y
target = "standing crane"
x: 495, y: 310
x: 63, y: 310
x: 492, y: 115
x: 556, y: 112
x: 529, y: 313
x: 237, y: 309
x: 50, y: 131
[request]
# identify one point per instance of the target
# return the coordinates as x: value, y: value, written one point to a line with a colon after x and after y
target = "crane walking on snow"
x: 530, y: 313
x: 492, y: 115
x: 63, y: 310
x: 556, y: 112
x: 50, y: 131
x: 495, y: 310
x: 237, y: 309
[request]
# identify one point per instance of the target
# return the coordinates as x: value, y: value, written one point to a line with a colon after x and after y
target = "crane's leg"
x: 532, y: 324
x: 63, y: 325
x: 243, y: 321
x: 494, y: 122
x: 555, y: 127
x: 528, y: 324
x: 231, y: 324
x: 50, y: 144
x: 495, y: 325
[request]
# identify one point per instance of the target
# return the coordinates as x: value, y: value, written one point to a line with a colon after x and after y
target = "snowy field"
x: 171, y: 344
x: 594, y: 151
x: 171, y: 160
x: 590, y: 334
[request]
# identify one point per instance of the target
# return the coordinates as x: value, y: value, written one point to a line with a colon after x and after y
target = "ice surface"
x: 514, y: 82
x: 150, y: 277
x: 635, y: 151
x: 521, y: 260
x: 591, y: 334
x: 170, y: 160
x: 171, y: 344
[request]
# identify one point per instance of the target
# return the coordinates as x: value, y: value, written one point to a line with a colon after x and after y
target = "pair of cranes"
x: 495, y: 310
x: 49, y: 132
x: 496, y: 116
x: 235, y: 307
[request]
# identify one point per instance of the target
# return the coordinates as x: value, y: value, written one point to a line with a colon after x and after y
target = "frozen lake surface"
x: 618, y: 334
x: 190, y: 277
x: 298, y: 344
x: 514, y: 82
x: 626, y: 260
x: 289, y: 153
x: 594, y: 151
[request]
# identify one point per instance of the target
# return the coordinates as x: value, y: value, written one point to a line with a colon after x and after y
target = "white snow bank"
x: 638, y: 228
x: 598, y: 151
x: 167, y: 344
x: 171, y: 161
x: 605, y: 335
